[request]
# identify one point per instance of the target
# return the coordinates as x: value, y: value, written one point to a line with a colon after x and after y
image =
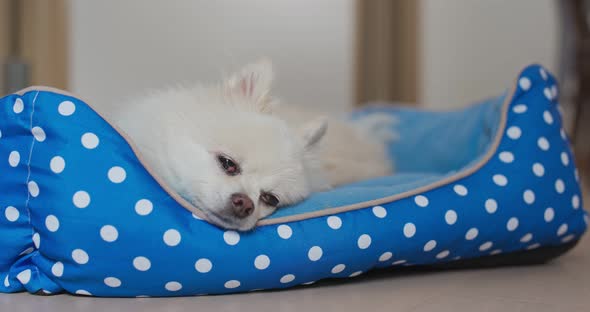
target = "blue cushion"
x: 80, y: 213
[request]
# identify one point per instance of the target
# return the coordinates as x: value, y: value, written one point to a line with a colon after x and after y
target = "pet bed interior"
x: 431, y: 147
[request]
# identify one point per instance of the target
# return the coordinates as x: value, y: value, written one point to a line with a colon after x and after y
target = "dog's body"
x: 235, y: 154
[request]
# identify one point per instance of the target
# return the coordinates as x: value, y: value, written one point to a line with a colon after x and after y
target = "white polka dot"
x: 485, y: 246
x: 52, y: 223
x: 143, y: 207
x: 568, y: 238
x: 315, y: 253
x: 112, y: 282
x: 232, y: 284
x: 548, y: 93
x: 554, y: 91
x: 559, y: 186
x: 512, y: 224
x: 173, y: 286
x: 82, y: 292
x: 398, y: 262
x: 0, y: 134
x: 526, y: 238
x: 11, y: 214
x: 338, y: 268
x: 355, y: 274
x: 562, y: 229
x: 24, y: 277
x: 36, y: 240
x: 57, y: 164
x: 287, y: 278
x: 443, y: 254
x: 409, y: 230
x: 533, y: 246
x: 549, y: 214
x: 421, y: 200
x: 524, y: 83
x: 520, y: 108
x: 80, y: 256
x: 283, y: 230
x: 262, y: 262
x: 500, y: 180
x: 194, y: 216
x: 379, y: 212
x: 33, y: 188
x: 538, y: 170
x: 81, y: 199
x: 203, y: 265
x: 563, y: 134
x: 430, y: 245
x: 514, y: 132
x: 13, y: 158
x: 66, y: 108
x: 90, y: 140
x: 39, y: 134
x: 548, y: 117
x: 109, y: 233
x: 471, y: 234
x: 496, y: 252
x: 364, y: 241
x: 6, y: 282
x: 57, y: 269
x: 18, y: 106
x: 385, y: 256
x: 27, y: 251
x: 117, y: 174
x: 450, y: 217
x: 334, y: 222
x: 142, y: 263
x: 565, y: 159
x: 172, y: 238
x: 506, y: 157
x: 491, y: 205
x: 461, y: 190
x: 576, y: 202
x: 529, y: 197
x: 543, y: 73
x: 543, y: 143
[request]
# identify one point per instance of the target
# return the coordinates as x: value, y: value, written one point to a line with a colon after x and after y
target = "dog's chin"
x: 229, y: 222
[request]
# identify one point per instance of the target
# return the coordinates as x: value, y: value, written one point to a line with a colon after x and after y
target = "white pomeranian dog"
x: 236, y: 154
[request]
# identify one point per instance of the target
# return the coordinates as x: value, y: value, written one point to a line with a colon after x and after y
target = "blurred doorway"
x: 33, y: 44
x: 387, y: 55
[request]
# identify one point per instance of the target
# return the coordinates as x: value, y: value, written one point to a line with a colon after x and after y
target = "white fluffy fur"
x: 280, y: 150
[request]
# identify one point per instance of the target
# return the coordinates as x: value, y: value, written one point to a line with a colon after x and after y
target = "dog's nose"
x: 242, y: 205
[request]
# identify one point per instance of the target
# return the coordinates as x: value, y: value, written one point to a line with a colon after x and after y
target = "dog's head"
x: 253, y: 162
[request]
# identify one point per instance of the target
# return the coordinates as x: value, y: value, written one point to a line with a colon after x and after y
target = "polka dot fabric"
x: 80, y: 214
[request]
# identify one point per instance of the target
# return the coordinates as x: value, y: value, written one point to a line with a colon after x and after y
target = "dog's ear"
x: 253, y: 82
x: 313, y: 131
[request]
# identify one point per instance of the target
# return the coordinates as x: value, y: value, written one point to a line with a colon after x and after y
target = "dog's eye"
x: 269, y: 199
x: 228, y: 165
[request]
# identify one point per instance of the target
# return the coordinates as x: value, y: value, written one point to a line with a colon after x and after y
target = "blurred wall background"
x: 469, y: 49
x: 447, y: 53
x: 474, y: 48
x: 119, y: 47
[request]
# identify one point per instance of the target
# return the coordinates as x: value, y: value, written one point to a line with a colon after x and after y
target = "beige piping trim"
x: 324, y: 212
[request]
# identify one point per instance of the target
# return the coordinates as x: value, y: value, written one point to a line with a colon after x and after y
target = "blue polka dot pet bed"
x: 492, y: 184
